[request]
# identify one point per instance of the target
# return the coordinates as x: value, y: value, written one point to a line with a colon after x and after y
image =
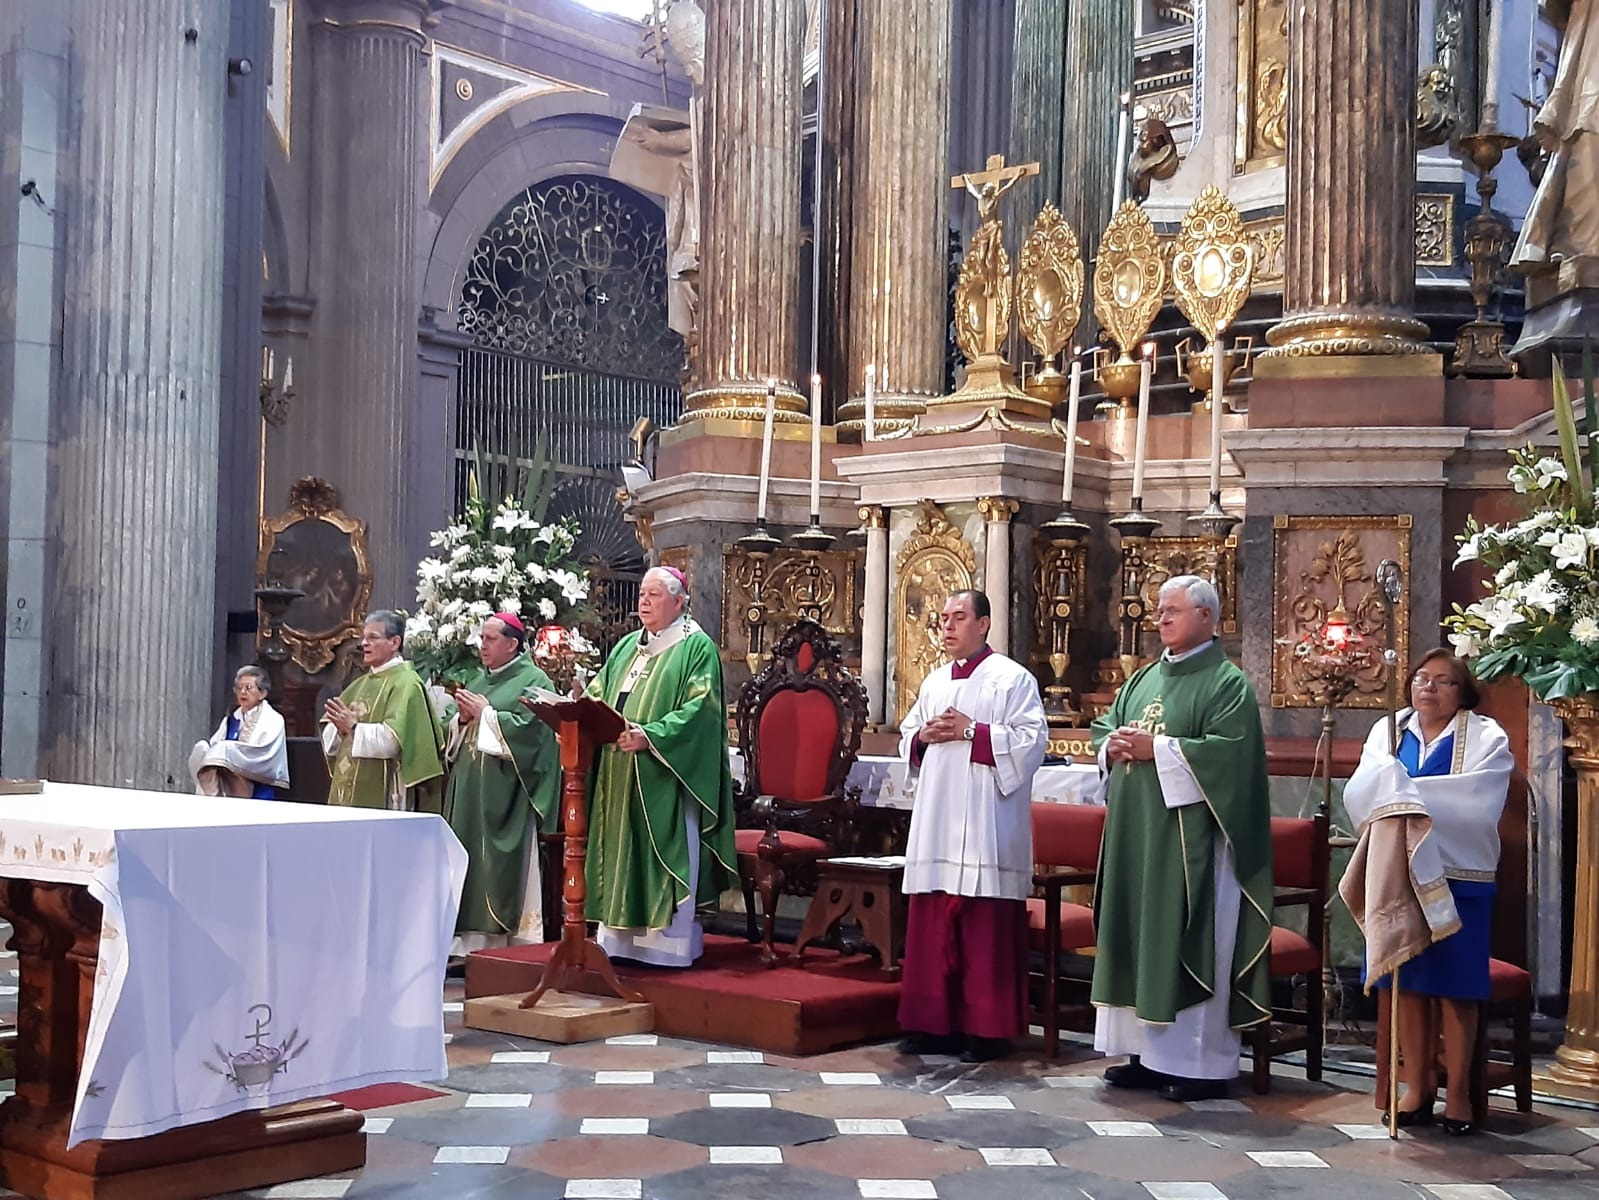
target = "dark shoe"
x: 1457, y: 1128
x: 1413, y: 1118
x: 1186, y: 1091
x: 982, y: 1049
x: 921, y: 1044
x: 1133, y: 1074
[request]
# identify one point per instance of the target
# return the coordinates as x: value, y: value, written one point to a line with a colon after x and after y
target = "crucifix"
x: 983, y: 295
x: 989, y: 184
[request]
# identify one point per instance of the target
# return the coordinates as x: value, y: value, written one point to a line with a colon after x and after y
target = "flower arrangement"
x: 1539, y: 621
x: 493, y: 559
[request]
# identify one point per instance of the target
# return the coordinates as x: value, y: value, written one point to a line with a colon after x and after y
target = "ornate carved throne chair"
x: 799, y: 725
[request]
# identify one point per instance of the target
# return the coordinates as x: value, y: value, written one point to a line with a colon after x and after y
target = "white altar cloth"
x: 252, y: 953
x: 886, y: 783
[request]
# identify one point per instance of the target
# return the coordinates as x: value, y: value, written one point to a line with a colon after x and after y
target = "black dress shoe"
x: 931, y: 1043
x: 1186, y: 1091
x: 1133, y: 1074
x: 983, y: 1049
x: 1412, y: 1118
x: 1458, y: 1128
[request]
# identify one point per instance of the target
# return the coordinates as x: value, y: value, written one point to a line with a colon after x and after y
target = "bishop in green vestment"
x: 1184, y: 890
x: 661, y: 810
x: 382, y: 742
x: 505, y: 782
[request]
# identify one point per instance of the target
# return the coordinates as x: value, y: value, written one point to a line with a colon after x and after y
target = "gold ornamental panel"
x: 1269, y: 237
x: 1167, y: 557
x: 1435, y: 230
x: 1212, y: 263
x: 320, y: 549
x: 790, y: 584
x: 1262, y: 84
x: 934, y: 563
x: 1321, y: 562
x: 1049, y: 287
x: 1129, y: 276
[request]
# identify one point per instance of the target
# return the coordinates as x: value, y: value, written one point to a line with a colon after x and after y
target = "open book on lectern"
x: 599, y: 721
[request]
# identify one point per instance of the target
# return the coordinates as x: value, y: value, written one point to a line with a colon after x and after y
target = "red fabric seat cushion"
x: 797, y: 738
x: 1507, y: 982
x: 1292, y: 953
x: 1076, y: 925
x: 1293, y: 852
x: 748, y: 841
x: 1068, y: 835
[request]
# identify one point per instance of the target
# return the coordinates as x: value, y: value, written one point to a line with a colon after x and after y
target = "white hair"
x: 262, y: 679
x: 674, y: 585
x: 1199, y: 590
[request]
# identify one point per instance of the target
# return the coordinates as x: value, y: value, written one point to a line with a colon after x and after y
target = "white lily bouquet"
x: 1539, y: 621
x: 492, y: 560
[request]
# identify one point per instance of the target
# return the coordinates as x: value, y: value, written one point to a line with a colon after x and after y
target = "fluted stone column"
x: 750, y: 210
x: 997, y: 513
x: 835, y: 198
x: 899, y: 248
x: 140, y: 210
x: 874, y: 612
x: 1349, y: 276
x: 356, y: 418
x: 1038, y: 99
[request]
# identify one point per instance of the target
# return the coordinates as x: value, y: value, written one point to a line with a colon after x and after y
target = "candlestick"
x: 1125, y: 102
x: 1140, y: 441
x: 1490, y: 71
x: 266, y: 364
x: 1071, y: 428
x: 871, y: 403
x: 1218, y: 385
x: 288, y: 374
x: 816, y: 449
x: 766, y: 452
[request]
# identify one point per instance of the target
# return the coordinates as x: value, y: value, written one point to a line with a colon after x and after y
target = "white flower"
x: 507, y: 520
x: 460, y: 554
x: 1521, y: 478
x: 547, y: 609
x: 1585, y: 631
x: 1592, y: 534
x: 1547, y: 470
x: 511, y: 604
x: 446, y: 634
x: 1466, y: 643
x: 537, y: 574
x: 1500, y: 614
x: 1570, y: 550
x: 418, y: 625
x: 1505, y: 574
x: 1469, y: 549
x: 484, y: 575
x: 1542, y: 592
x: 542, y: 533
x: 479, y: 610
x: 572, y: 587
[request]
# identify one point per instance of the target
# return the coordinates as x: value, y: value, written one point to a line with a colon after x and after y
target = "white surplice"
x: 972, y: 827
x: 259, y: 754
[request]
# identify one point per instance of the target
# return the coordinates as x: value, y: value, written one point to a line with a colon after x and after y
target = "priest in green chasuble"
x: 1184, y: 891
x: 380, y: 737
x: 661, y: 808
x: 505, y: 783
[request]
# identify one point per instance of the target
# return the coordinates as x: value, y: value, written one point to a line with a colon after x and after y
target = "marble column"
x: 1038, y: 99
x: 1349, y: 276
x: 899, y: 264
x: 356, y: 418
x: 997, y: 513
x: 874, y: 612
x: 750, y: 211
x: 139, y: 204
x: 835, y: 199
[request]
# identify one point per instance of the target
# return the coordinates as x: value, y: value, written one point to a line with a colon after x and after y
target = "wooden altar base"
x: 564, y: 1017
x: 730, y: 997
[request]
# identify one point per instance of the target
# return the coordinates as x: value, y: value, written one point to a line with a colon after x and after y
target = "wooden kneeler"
x: 556, y: 1011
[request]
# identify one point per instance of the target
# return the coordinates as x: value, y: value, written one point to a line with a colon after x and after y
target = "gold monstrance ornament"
x: 983, y: 300
x: 1129, y: 287
x: 1212, y: 268
x: 1049, y: 298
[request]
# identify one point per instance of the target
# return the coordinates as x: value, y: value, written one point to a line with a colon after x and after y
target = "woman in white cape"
x: 248, y: 754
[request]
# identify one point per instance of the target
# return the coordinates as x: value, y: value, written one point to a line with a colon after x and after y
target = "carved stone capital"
x: 996, y: 509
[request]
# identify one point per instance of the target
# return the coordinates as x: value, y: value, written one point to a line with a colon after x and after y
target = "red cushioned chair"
x: 799, y: 726
x: 1301, y: 857
x: 1066, y: 842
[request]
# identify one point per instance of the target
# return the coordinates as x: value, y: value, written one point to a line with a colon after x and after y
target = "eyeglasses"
x: 1432, y: 681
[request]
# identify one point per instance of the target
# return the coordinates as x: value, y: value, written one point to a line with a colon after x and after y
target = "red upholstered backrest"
x: 798, y: 734
x: 1293, y: 852
x: 1067, y: 835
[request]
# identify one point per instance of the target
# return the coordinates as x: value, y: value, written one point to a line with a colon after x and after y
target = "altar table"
x: 184, y: 958
x: 885, y: 782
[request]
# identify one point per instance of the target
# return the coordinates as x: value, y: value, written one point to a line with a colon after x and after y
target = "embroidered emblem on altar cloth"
x: 252, y: 1068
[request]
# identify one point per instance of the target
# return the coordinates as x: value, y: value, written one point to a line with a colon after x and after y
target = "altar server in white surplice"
x: 974, y: 739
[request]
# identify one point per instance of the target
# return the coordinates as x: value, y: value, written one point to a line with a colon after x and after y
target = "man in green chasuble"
x: 1184, y: 891
x: 505, y: 781
x: 661, y: 809
x: 380, y: 737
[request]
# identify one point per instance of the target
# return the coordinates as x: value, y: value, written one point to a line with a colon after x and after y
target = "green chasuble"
x: 491, y: 800
x: 1155, y: 899
x: 393, y: 696
x: 638, y: 840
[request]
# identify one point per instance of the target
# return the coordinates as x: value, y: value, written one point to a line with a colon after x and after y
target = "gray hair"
x: 1200, y: 591
x: 674, y: 585
x: 262, y: 679
x: 391, y: 622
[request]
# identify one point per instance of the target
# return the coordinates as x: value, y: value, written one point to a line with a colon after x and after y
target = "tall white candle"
x: 1140, y: 442
x: 1490, y: 70
x: 1071, y: 428
x: 288, y: 374
x: 871, y: 403
x: 766, y: 452
x: 816, y: 449
x: 1218, y: 385
x: 1123, y: 121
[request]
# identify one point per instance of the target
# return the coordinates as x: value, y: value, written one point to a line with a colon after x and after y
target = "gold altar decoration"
x: 323, y: 553
x: 1435, y: 229
x: 1212, y: 263
x: 1575, y: 1072
x: 1262, y: 85
x: 1060, y: 583
x: 1320, y: 564
x: 790, y: 589
x: 934, y: 563
x: 1129, y: 288
x: 1163, y: 558
x: 1049, y: 298
x: 984, y: 295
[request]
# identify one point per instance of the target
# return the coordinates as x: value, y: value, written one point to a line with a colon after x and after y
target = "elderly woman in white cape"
x: 1456, y: 766
x: 248, y: 754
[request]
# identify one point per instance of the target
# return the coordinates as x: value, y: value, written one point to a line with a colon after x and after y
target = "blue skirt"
x: 1457, y: 967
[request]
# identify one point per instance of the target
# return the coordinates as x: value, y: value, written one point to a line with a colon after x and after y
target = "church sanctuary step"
x: 730, y: 997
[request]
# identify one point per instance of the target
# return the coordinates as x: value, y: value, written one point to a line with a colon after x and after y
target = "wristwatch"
x: 969, y: 732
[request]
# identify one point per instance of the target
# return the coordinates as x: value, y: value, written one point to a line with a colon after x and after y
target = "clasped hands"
x: 341, y: 716
x: 949, y: 726
x: 470, y: 705
x: 633, y: 739
x: 1130, y: 744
